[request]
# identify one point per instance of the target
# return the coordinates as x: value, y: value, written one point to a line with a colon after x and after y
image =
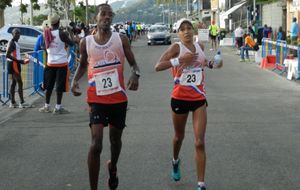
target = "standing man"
x: 294, y: 34
x: 103, y: 56
x: 14, y: 62
x: 239, y: 33
x: 213, y: 31
x: 56, y: 70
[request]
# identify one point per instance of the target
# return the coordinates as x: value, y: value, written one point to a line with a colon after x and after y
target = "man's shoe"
x: 176, y: 175
x: 12, y: 105
x: 60, y: 111
x: 248, y: 60
x: 113, y: 180
x: 242, y: 60
x: 45, y: 109
x: 200, y: 187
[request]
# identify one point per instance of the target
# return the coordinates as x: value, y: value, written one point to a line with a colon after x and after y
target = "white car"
x: 27, y: 39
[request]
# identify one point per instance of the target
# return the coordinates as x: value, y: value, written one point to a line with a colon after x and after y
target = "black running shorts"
x: 183, y: 106
x: 113, y: 114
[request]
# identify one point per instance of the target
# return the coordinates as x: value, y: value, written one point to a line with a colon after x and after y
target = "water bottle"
x: 218, y: 57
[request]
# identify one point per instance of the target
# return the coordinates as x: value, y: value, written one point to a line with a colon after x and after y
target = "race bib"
x: 191, y: 77
x: 107, y: 82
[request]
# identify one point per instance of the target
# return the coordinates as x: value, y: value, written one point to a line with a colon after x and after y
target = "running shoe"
x: 242, y: 60
x: 24, y: 105
x: 45, y: 109
x: 200, y: 187
x: 113, y: 180
x: 12, y: 105
x: 247, y: 59
x: 60, y: 111
x: 176, y: 171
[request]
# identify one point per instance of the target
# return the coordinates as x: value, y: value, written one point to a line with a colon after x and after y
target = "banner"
x: 214, y: 5
x: 203, y: 35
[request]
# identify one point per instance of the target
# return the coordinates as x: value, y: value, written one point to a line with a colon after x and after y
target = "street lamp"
x: 163, y: 12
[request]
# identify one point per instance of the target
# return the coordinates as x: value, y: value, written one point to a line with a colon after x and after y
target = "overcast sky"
x: 91, y: 2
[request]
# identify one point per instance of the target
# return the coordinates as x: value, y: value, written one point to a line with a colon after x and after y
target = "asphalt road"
x: 252, y: 140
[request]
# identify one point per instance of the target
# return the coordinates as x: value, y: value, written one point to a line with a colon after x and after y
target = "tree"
x: 33, y: 6
x: 3, y: 5
x: 23, y: 9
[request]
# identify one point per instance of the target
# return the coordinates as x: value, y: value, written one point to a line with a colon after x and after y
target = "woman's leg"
x: 199, y: 125
x: 179, y: 122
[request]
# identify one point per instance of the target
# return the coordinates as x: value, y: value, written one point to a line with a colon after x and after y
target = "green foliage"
x: 35, y: 5
x: 38, y: 20
x: 23, y: 8
x: 80, y: 11
x: 5, y: 3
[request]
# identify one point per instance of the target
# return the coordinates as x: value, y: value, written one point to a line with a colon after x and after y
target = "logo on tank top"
x: 110, y: 58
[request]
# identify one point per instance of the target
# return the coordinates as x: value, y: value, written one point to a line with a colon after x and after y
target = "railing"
x: 281, y: 52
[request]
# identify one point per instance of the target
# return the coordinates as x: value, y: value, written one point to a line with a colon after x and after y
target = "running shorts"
x: 113, y: 114
x: 183, y: 106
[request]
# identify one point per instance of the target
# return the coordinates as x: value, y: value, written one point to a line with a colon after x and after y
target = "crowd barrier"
x: 32, y: 73
x: 281, y: 54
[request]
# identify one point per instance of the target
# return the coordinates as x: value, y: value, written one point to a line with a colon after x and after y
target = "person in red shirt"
x: 249, y: 45
x: 103, y: 56
x: 188, y: 62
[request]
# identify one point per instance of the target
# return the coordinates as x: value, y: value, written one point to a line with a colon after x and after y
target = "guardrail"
x: 281, y: 52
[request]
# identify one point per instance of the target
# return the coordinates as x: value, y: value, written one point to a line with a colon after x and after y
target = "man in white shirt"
x: 239, y: 33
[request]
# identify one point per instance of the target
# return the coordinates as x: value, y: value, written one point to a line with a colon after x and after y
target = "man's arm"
x: 65, y: 38
x: 133, y: 81
x: 81, y: 69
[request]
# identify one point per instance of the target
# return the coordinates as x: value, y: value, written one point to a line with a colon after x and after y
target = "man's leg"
x: 242, y: 53
x: 115, y: 136
x: 94, y: 154
x: 18, y: 79
x: 12, y: 89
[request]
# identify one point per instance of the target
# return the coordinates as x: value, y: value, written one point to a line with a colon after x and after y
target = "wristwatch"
x: 137, y: 73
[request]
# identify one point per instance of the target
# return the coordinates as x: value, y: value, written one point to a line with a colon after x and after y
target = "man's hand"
x: 133, y: 82
x: 75, y: 88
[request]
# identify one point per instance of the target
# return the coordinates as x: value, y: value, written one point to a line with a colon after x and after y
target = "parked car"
x: 27, y: 39
x: 158, y: 34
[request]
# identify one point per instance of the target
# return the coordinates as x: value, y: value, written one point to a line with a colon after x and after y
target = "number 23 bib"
x: 191, y: 77
x: 107, y: 82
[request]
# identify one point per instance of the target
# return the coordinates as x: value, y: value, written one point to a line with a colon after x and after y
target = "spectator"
x: 249, y: 45
x: 294, y: 31
x: 56, y: 71
x: 281, y: 35
x: 239, y: 33
x: 14, y: 62
x: 251, y: 30
x: 266, y: 31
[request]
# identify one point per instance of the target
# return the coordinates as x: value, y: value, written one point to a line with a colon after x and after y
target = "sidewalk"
x: 7, y: 113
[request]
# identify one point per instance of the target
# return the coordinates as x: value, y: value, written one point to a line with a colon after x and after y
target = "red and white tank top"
x: 189, y: 81
x: 105, y: 71
x: 57, y: 54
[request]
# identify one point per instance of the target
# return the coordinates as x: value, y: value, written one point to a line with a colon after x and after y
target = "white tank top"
x: 57, y: 54
x: 16, y: 53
